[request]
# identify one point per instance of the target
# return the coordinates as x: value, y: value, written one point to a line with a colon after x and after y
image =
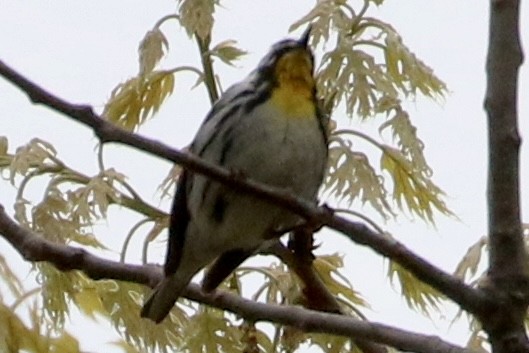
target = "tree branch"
x: 207, y: 65
x: 508, y: 284
x: 507, y: 252
x: 66, y: 258
x: 470, y: 299
x: 316, y: 295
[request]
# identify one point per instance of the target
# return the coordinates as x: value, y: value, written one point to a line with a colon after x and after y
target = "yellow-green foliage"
x: 15, y: 336
x: 151, y: 50
x: 227, y: 51
x: 196, y: 16
x: 329, y: 268
x: 41, y: 335
x: 410, y: 187
x: 418, y: 295
x: 133, y: 101
x: 350, y: 176
x: 210, y: 331
x: 351, y: 74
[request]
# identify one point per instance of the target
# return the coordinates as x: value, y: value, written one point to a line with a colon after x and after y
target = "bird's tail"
x: 163, y: 298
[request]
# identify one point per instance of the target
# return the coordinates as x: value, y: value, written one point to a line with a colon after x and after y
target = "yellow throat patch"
x: 294, y: 93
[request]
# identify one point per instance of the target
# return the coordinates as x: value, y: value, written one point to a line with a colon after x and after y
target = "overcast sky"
x: 81, y: 50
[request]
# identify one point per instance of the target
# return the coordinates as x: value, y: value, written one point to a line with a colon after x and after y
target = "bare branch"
x: 468, y: 298
x: 66, y: 258
x: 507, y: 253
x: 508, y: 274
x: 317, y: 296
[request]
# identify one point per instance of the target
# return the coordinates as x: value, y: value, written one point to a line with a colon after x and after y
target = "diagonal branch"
x: 316, y: 295
x: 66, y: 258
x: 470, y: 299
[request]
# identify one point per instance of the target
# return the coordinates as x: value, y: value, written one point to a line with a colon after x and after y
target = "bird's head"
x: 288, y: 70
x: 290, y: 63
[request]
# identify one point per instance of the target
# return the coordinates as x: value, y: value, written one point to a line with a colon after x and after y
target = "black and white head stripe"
x: 280, y: 48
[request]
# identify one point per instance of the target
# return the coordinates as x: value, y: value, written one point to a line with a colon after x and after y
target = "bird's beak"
x: 304, y: 40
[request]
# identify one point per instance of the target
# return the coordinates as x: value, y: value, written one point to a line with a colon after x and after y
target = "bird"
x: 270, y: 128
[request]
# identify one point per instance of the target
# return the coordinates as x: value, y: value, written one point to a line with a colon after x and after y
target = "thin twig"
x: 207, y: 65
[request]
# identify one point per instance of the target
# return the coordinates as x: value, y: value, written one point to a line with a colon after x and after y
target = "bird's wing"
x: 177, y: 226
x: 239, y: 95
x: 223, y: 267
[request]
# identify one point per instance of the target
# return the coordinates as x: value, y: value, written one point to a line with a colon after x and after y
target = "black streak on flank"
x: 177, y: 226
x: 226, y: 147
x: 219, y: 208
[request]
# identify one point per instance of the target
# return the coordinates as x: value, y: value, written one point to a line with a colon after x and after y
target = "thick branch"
x: 468, y: 298
x: 508, y: 272
x: 34, y: 248
x: 507, y: 251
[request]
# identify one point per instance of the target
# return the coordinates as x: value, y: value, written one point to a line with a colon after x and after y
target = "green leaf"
x: 408, y: 72
x: 350, y: 176
x: 468, y: 266
x: 227, y: 51
x: 122, y: 302
x: 328, y: 268
x: 325, y: 17
x: 151, y: 50
x: 418, y: 295
x: 58, y: 288
x: 196, y: 16
x: 88, y: 301
x: 279, y: 286
x: 410, y: 187
x: 210, y: 331
x: 3, y: 146
x: 353, y: 73
x: 16, y: 337
x: 168, y: 183
x: 66, y: 343
x: 135, y: 100
x: 66, y: 216
x: 330, y: 343
x: 91, y: 200
x: 10, y: 279
x: 126, y: 347
x: 35, y: 155
x: 12, y: 331
x: 87, y: 239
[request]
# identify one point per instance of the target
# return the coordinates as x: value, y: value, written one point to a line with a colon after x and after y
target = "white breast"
x: 288, y: 153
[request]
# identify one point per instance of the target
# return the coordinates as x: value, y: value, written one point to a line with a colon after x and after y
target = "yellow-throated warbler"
x: 269, y: 128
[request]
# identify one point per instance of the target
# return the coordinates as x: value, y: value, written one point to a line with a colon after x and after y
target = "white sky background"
x: 81, y: 50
